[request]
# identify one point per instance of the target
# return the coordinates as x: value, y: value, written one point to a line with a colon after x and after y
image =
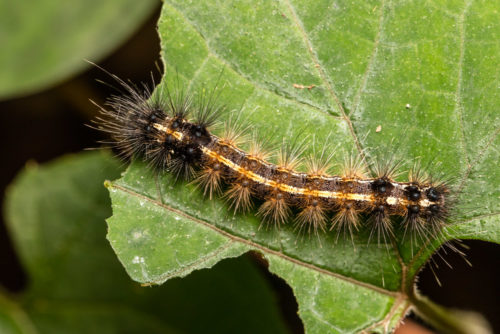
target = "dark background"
x: 49, y: 124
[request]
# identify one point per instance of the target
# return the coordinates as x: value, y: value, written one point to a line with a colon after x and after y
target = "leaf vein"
x: 385, y: 322
x: 323, y: 77
x: 211, y: 51
x: 458, y: 93
x: 371, y: 61
x: 478, y: 159
x: 254, y: 245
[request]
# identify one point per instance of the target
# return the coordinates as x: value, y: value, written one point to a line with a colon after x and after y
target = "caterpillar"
x: 173, y: 132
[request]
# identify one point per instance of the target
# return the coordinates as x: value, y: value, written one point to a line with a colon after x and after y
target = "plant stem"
x: 445, y: 320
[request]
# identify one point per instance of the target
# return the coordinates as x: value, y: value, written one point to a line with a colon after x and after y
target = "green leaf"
x: 56, y: 214
x: 46, y: 42
x: 424, y: 74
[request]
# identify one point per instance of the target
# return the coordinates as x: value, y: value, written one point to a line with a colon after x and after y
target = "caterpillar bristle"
x: 210, y: 179
x: 290, y: 154
x: 417, y: 227
x: 179, y: 104
x: 239, y: 196
x: 275, y: 210
x: 173, y: 132
x: 160, y: 159
x: 312, y: 218
x: 346, y: 220
x: 258, y: 148
x: 181, y: 168
x: 388, y: 169
x: 208, y: 112
x: 417, y: 175
x: 319, y: 163
x: 234, y: 130
x: 381, y: 225
x: 353, y: 167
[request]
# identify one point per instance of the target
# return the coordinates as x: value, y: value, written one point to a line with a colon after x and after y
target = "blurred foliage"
x: 56, y: 213
x: 47, y: 41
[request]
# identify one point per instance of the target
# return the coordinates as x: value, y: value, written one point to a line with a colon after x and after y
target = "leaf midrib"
x: 253, y: 244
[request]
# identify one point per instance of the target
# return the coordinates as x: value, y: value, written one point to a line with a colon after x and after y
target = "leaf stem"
x: 447, y: 321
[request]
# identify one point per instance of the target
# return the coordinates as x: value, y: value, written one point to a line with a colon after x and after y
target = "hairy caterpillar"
x: 173, y: 132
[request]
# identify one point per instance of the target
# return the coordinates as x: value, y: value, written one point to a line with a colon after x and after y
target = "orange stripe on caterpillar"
x: 293, y: 190
x: 310, y: 192
x: 176, y: 134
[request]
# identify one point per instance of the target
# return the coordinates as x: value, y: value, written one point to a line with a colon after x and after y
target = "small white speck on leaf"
x: 379, y: 128
x: 137, y: 259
